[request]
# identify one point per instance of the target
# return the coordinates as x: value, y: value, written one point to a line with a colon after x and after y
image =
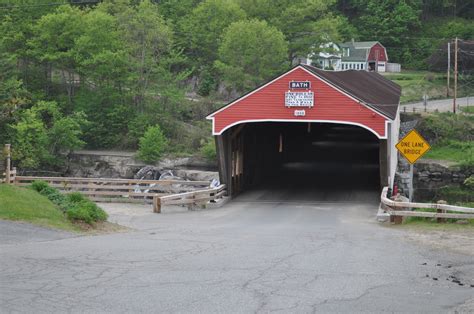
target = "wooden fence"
x: 110, y: 190
x: 443, y: 211
x: 194, y: 198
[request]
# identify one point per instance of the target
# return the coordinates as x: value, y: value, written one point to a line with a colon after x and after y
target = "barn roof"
x: 371, y: 88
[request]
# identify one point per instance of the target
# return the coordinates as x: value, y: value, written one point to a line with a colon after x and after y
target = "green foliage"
x: 205, y: 25
x: 43, y: 133
x: 306, y: 24
x: 251, y: 52
x: 76, y: 206
x: 27, y: 205
x: 152, y: 144
x: 469, y: 183
x: 455, y: 195
x: 208, y: 149
x: 86, y: 211
x: 447, y: 126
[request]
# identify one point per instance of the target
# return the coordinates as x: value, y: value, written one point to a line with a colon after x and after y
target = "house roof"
x: 370, y: 88
x: 358, y: 50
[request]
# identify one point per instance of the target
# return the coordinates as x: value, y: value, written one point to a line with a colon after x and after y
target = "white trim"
x: 252, y: 92
x: 309, y: 72
x: 301, y: 120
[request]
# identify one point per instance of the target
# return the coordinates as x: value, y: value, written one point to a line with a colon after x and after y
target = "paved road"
x: 254, y: 255
x: 442, y: 105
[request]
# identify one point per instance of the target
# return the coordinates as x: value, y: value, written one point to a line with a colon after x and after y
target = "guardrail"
x: 397, y: 209
x: 123, y: 190
x: 200, y: 197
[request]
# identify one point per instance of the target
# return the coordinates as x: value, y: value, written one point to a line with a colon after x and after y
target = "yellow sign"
x: 413, y: 146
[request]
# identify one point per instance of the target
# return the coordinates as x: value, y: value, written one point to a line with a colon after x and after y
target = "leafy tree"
x: 43, y: 134
x: 204, y: 27
x: 152, y: 144
x: 251, y: 52
x: 305, y: 23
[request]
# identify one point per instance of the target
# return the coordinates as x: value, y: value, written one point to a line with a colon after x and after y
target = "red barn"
x: 304, y: 123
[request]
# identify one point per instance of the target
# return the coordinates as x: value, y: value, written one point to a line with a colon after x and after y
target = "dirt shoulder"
x: 450, y: 237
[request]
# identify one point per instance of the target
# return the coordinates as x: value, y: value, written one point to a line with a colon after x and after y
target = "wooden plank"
x: 429, y: 214
x: 120, y: 200
x: 111, y: 180
x: 119, y: 193
x: 388, y: 202
x: 167, y: 188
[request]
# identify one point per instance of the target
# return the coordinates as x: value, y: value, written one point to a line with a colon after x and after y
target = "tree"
x: 306, y: 24
x: 204, y: 27
x: 152, y: 144
x: 43, y: 134
x: 251, y: 52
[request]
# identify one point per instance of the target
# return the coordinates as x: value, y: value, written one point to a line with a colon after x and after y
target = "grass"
x: 450, y: 223
x: 457, y: 151
x: 416, y: 83
x: 22, y: 204
x: 469, y: 109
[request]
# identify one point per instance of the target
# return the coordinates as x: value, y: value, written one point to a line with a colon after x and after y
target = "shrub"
x: 75, y: 197
x: 76, y: 206
x: 152, y: 144
x: 39, y: 185
x: 208, y: 150
x: 86, y: 211
x: 469, y: 182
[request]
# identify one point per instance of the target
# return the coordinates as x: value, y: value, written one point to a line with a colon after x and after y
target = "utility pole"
x: 449, y: 67
x: 455, y: 74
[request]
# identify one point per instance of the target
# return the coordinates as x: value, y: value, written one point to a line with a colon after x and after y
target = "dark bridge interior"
x: 309, y: 162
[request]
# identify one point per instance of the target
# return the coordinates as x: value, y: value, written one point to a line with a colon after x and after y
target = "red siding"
x: 381, y: 52
x: 269, y: 103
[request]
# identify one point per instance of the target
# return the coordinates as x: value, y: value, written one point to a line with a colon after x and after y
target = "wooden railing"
x: 8, y: 176
x: 194, y: 198
x: 396, y: 208
x: 124, y: 190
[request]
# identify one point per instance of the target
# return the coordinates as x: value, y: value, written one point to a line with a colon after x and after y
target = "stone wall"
x: 110, y: 164
x: 428, y: 175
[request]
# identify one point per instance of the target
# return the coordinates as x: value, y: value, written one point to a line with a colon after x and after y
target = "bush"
x: 52, y: 194
x: 152, y: 144
x: 208, y: 149
x: 76, y: 206
x: 39, y: 185
x: 86, y: 211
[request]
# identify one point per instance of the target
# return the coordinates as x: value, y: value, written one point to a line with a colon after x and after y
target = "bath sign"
x: 413, y: 146
x: 299, y: 99
x: 300, y: 85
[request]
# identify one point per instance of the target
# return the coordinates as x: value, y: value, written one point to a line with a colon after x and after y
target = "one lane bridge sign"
x: 413, y: 146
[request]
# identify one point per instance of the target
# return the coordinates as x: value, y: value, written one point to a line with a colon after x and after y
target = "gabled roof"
x: 370, y: 88
x: 358, y: 50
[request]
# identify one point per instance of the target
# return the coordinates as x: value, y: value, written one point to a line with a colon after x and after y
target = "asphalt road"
x: 254, y: 255
x: 442, y: 105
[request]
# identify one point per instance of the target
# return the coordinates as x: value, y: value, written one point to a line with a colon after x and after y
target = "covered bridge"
x: 311, y: 128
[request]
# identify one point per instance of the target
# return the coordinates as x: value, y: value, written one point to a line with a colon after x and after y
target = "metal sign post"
x: 412, y: 147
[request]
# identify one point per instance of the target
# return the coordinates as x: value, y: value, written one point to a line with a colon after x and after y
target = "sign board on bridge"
x: 413, y: 146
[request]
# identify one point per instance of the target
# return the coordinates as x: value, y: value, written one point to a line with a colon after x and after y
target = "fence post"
x: 8, y: 163
x: 156, y: 204
x: 438, y: 210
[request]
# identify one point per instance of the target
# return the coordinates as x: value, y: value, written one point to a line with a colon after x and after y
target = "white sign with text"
x: 299, y: 99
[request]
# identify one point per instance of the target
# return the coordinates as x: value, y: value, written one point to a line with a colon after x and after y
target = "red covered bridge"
x: 310, y: 128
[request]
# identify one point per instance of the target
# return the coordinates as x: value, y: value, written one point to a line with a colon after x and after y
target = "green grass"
x: 469, y: 109
x: 450, y: 223
x: 415, y: 83
x: 461, y: 152
x: 22, y: 204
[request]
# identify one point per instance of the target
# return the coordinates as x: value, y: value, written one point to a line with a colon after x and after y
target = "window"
x: 361, y: 66
x: 357, y: 66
